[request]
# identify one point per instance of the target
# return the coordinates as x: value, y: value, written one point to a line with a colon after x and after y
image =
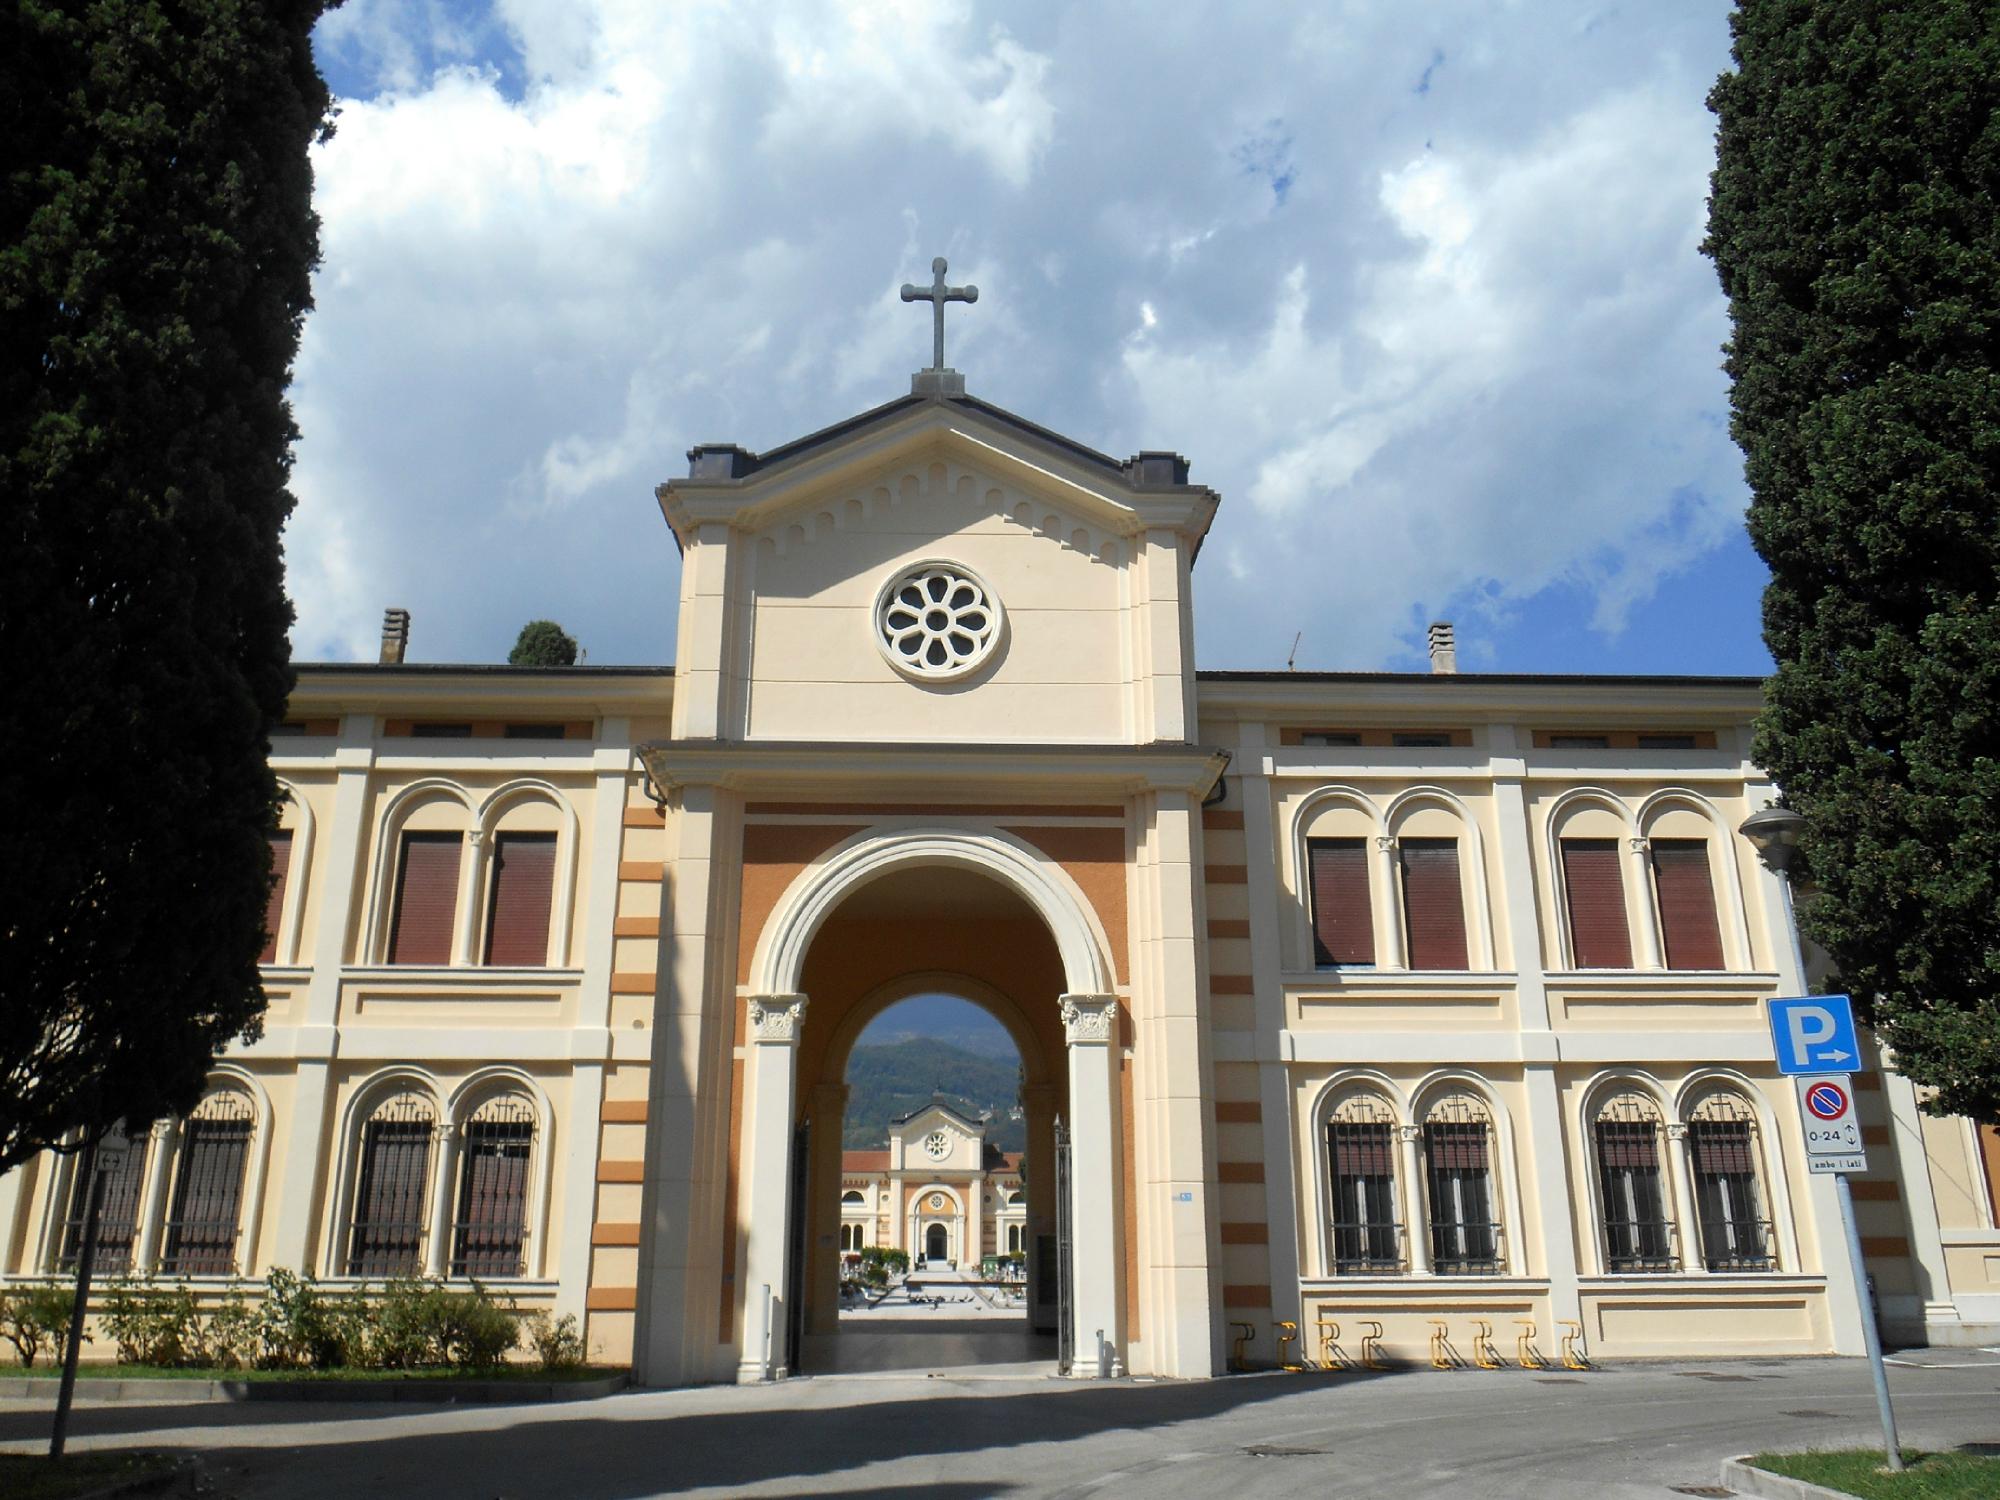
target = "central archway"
x: 978, y: 914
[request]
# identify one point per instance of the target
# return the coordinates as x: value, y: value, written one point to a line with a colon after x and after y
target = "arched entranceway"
x: 937, y: 1242
x: 881, y: 917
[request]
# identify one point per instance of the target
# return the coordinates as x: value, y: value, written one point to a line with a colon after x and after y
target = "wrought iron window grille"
x: 1723, y: 1157
x: 1365, y: 1229
x: 489, y: 1235
x: 388, y: 1226
x: 1465, y: 1232
x: 207, y: 1204
x: 1640, y: 1236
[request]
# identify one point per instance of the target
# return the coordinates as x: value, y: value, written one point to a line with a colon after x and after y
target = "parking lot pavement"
x: 1630, y: 1430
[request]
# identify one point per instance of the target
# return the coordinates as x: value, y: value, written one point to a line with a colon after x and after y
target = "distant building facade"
x: 1337, y: 996
x: 940, y: 1192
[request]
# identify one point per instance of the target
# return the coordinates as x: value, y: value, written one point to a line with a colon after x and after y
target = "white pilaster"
x: 1090, y: 1027
x: 444, y: 1174
x: 1639, y: 898
x: 773, y: 1034
x: 1687, y: 1212
x: 1388, y: 905
x: 1416, y: 1221
x: 1913, y: 1168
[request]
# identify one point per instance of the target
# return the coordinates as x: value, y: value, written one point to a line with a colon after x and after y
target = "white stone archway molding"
x: 1737, y: 931
x: 487, y: 824
x: 779, y: 961
x: 1473, y: 868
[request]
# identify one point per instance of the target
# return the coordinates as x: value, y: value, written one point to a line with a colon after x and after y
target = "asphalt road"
x: 1627, y: 1431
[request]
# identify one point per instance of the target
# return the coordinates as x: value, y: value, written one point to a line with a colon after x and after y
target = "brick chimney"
x: 395, y: 636
x: 1444, y: 649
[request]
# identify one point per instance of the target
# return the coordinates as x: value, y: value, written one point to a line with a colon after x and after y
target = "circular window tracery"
x: 936, y: 621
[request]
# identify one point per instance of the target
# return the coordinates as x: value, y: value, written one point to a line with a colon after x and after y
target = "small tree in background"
x: 1855, y: 227
x: 543, y: 643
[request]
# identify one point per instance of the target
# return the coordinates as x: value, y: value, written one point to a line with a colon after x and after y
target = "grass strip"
x: 1859, y: 1471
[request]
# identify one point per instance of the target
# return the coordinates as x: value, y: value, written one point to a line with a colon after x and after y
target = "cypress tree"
x: 1853, y: 223
x: 543, y: 643
x: 157, y: 240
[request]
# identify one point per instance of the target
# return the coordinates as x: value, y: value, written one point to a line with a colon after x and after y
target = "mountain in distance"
x: 886, y: 1080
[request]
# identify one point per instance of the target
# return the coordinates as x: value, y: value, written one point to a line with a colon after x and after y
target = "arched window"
x: 1361, y: 1156
x: 852, y: 1199
x: 391, y: 1188
x: 1013, y: 1239
x: 489, y: 1230
x: 206, y: 1213
x: 1458, y: 1168
x: 1638, y: 1230
x: 1722, y: 1154
x: 1017, y: 1200
x: 120, y: 1166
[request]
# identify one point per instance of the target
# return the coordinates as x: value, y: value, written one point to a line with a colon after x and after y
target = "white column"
x: 773, y: 1033
x: 1388, y: 905
x: 1416, y: 1226
x: 1090, y: 1026
x: 160, y: 1143
x: 444, y: 1173
x: 1639, y: 897
x: 975, y: 1193
x: 1913, y: 1167
x: 12, y: 1202
x: 471, y: 876
x: 1548, y: 1157
x: 1687, y: 1211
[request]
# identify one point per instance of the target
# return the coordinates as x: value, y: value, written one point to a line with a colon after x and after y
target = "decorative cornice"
x: 776, y: 1018
x: 1089, y: 1020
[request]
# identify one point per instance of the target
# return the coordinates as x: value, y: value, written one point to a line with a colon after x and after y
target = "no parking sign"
x: 1833, y: 1135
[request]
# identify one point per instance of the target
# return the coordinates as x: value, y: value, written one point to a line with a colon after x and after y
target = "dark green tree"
x: 1855, y: 226
x: 543, y: 643
x: 156, y: 244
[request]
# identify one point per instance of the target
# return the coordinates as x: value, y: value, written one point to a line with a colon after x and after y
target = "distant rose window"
x: 936, y: 621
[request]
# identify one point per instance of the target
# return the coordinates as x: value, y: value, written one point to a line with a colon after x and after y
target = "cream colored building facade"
x: 1308, y: 972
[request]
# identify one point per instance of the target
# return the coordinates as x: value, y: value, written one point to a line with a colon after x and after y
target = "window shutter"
x: 426, y: 892
x: 1687, y: 904
x: 1623, y: 1144
x: 1598, y: 936
x: 1433, y: 909
x: 389, y: 1199
x: 1456, y: 1146
x: 208, y: 1198
x: 517, y: 919
x: 1720, y: 1147
x: 493, y: 1198
x: 274, y: 905
x: 1362, y: 1150
x: 1343, y: 925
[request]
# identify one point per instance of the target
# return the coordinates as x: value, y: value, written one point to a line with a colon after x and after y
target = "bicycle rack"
x: 1244, y: 1333
x: 1371, y: 1345
x: 1573, y: 1358
x: 1524, y: 1347
x: 1484, y: 1354
x: 1331, y: 1355
x: 1287, y: 1333
x: 1443, y: 1356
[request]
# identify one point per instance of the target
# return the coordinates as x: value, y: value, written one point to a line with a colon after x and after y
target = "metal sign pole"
x: 1870, y: 1338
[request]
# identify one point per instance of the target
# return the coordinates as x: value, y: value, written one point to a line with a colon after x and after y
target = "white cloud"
x: 1436, y: 350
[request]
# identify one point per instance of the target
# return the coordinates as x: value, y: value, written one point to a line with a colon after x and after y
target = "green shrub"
x: 151, y: 1325
x: 558, y: 1343
x: 297, y: 1326
x: 231, y: 1337
x: 36, y: 1317
x: 888, y: 1259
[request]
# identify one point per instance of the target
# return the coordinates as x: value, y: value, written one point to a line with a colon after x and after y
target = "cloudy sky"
x: 1414, y: 286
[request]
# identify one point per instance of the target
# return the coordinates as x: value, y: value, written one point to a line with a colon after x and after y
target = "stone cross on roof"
x: 937, y: 294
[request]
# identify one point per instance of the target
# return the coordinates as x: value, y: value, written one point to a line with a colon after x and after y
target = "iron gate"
x: 1065, y: 1269
x: 795, y: 1268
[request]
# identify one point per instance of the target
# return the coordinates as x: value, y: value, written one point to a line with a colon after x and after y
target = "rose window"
x: 936, y: 620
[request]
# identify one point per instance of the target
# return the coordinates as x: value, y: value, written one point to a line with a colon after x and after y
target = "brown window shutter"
x: 1343, y: 925
x: 517, y: 916
x: 1687, y: 904
x: 1362, y: 1150
x: 274, y: 905
x: 426, y: 895
x: 390, y: 1199
x: 208, y: 1198
x: 1599, y: 938
x: 1720, y: 1147
x: 1433, y: 908
x: 493, y: 1198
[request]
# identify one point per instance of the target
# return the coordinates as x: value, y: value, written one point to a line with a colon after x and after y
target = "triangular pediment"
x: 933, y: 450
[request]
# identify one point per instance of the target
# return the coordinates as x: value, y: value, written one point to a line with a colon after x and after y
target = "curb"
x: 1739, y: 1475
x: 426, y: 1392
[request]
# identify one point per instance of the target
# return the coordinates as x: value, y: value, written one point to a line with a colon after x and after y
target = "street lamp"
x: 1774, y: 833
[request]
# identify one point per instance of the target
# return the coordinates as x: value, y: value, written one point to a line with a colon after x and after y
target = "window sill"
x: 1482, y: 980
x: 1685, y: 1280
x: 1410, y: 1280
x: 470, y: 976
x: 1747, y: 982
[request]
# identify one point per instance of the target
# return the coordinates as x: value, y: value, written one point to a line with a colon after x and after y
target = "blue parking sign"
x: 1815, y: 1034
